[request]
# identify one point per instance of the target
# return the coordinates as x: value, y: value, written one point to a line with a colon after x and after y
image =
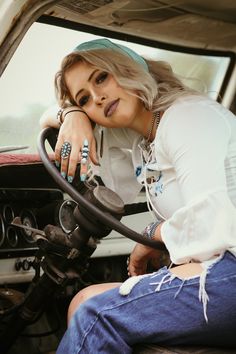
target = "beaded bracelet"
x: 61, y: 111
x: 75, y: 110
x: 59, y: 116
x: 150, y: 229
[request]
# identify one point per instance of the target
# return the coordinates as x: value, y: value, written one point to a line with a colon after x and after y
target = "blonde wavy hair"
x: 157, y: 88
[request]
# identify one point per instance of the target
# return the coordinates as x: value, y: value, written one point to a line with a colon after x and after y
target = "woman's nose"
x: 99, y: 98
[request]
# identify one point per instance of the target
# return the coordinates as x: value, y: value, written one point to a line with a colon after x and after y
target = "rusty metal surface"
x: 199, y: 24
x: 29, y: 12
x: 84, y: 6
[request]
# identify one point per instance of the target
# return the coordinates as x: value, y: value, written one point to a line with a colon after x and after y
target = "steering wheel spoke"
x: 88, y: 205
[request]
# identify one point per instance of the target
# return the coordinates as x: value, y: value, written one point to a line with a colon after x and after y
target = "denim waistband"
x: 223, y: 264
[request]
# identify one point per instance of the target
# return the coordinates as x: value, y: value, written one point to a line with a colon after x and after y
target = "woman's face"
x: 100, y: 96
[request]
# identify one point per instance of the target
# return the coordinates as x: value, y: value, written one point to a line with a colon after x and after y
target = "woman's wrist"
x: 157, y: 234
x: 153, y: 231
x: 65, y: 112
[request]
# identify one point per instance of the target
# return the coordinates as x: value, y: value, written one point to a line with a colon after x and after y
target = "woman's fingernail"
x: 86, y: 142
x: 83, y: 177
x: 70, y: 179
x: 63, y: 174
x: 57, y: 163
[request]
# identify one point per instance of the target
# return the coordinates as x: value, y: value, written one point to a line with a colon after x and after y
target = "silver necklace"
x: 155, y: 118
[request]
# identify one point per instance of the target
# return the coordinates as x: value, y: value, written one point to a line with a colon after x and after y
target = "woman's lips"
x: 111, y: 107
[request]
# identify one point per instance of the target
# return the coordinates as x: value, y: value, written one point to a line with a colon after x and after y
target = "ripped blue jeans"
x: 158, y: 308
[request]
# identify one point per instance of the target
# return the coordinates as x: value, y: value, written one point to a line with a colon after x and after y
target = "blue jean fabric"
x: 157, y: 311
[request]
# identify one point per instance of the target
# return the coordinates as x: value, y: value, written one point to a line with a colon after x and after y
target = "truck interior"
x: 40, y: 270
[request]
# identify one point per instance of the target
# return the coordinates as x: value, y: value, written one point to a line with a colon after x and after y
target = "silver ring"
x: 85, y: 152
x: 65, y: 150
x: 84, y: 160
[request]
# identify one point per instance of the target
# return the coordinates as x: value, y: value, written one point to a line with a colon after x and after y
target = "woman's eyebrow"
x: 89, y: 79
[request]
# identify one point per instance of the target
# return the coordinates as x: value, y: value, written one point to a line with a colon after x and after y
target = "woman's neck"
x: 143, y: 123
x: 147, y: 123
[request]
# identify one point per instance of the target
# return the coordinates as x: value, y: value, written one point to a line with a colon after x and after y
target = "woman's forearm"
x: 49, y: 118
x: 54, y: 116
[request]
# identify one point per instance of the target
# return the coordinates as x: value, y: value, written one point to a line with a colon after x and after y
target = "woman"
x: 143, y: 127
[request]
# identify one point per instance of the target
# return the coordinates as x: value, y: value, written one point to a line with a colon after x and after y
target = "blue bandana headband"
x: 105, y: 43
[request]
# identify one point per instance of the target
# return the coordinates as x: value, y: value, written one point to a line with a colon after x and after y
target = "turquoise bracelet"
x: 150, y: 229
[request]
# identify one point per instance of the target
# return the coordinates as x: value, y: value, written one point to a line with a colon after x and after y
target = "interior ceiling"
x: 196, y: 23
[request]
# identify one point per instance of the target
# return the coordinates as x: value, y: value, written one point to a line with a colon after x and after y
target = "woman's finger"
x: 84, y: 171
x: 136, y: 270
x: 58, y: 153
x: 136, y: 267
x: 65, y: 157
x: 84, y: 160
x: 75, y: 157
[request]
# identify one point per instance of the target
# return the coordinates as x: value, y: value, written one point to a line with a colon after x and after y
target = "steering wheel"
x: 49, y: 134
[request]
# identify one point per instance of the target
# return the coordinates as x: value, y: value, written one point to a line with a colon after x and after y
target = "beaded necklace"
x: 155, y: 118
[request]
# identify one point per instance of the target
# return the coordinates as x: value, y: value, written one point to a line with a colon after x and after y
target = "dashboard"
x: 36, y: 209
x: 28, y: 192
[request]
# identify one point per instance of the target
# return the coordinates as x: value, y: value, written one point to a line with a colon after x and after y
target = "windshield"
x: 27, y: 84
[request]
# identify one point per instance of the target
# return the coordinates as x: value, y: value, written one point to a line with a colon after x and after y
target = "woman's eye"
x: 101, y: 77
x: 83, y: 100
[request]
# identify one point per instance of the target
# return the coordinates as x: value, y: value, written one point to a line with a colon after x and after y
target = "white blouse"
x: 190, y: 176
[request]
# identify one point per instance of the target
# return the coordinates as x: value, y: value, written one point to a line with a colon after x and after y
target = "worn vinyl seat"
x: 158, y: 349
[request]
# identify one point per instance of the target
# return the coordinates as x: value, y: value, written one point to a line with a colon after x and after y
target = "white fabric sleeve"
x: 117, y: 169
x: 195, y: 139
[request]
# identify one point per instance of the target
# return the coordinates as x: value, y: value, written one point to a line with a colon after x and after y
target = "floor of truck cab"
x: 157, y: 349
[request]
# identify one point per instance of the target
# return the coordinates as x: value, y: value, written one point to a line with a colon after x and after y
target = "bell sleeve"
x: 195, y: 139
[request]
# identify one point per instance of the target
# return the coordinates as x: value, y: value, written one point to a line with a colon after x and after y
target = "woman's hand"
x: 75, y: 129
x: 140, y: 257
